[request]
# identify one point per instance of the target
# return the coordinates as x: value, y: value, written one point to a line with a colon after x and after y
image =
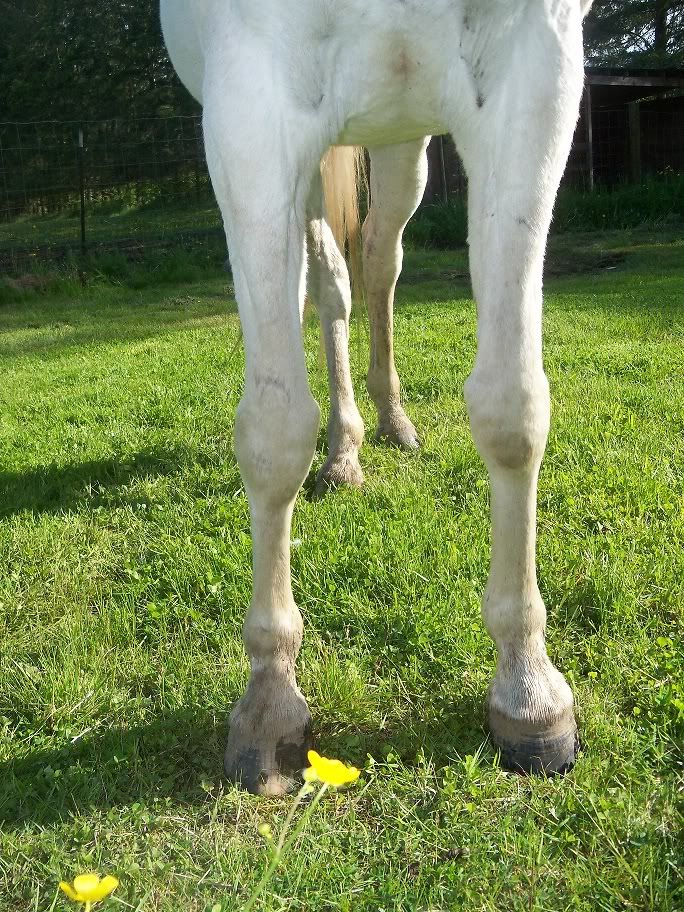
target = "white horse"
x: 281, y: 83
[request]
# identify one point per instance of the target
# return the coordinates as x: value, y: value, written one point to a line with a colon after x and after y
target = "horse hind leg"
x: 397, y: 183
x: 514, y: 153
x: 258, y: 181
x: 328, y: 285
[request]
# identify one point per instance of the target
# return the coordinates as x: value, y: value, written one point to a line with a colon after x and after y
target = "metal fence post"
x: 445, y: 188
x: 81, y: 187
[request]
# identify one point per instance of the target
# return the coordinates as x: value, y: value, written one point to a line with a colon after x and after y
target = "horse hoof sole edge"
x: 545, y: 756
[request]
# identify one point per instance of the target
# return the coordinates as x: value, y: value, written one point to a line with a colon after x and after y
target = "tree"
x: 63, y: 59
x: 641, y: 33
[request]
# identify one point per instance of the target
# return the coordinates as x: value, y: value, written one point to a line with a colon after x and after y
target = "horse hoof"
x: 269, y: 736
x: 548, y: 752
x: 269, y: 771
x: 252, y: 769
x: 338, y: 471
x: 397, y: 431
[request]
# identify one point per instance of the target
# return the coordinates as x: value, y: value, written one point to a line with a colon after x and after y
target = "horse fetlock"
x: 515, y: 621
x: 394, y: 426
x: 345, y: 429
x: 275, y: 644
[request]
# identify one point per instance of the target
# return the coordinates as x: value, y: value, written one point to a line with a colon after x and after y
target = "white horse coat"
x: 280, y: 83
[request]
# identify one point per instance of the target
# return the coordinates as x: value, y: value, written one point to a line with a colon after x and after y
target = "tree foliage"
x: 638, y: 33
x: 65, y: 59
x: 68, y: 59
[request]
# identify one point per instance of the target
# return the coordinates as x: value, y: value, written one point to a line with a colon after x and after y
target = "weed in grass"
x: 328, y: 774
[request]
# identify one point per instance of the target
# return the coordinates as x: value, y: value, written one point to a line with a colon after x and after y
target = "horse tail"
x: 343, y: 169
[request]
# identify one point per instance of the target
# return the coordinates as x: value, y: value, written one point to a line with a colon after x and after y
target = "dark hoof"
x: 266, y: 772
x: 270, y: 733
x: 548, y: 753
x: 540, y: 756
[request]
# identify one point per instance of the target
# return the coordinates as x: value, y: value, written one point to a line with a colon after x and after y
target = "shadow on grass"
x: 53, y: 489
x: 169, y: 758
x: 581, y: 606
x: 179, y: 757
x: 456, y: 727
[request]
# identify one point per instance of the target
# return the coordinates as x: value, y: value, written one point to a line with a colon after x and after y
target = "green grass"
x: 124, y: 574
x: 122, y: 227
x: 116, y: 219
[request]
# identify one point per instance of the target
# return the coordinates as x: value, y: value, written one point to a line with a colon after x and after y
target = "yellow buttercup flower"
x: 89, y: 888
x: 331, y: 772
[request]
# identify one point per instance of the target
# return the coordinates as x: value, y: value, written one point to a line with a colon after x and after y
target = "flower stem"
x: 302, y: 823
x: 283, y: 843
x: 288, y: 820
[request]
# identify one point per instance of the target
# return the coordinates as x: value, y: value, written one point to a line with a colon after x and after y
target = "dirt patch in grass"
x: 580, y: 262
x: 558, y: 263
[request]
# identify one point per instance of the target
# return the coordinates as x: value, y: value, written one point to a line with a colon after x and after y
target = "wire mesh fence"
x: 128, y: 185
x: 661, y: 126
x: 135, y: 185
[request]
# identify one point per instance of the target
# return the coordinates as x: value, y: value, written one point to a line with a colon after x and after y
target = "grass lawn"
x: 124, y: 575
x: 169, y: 213
x: 30, y: 242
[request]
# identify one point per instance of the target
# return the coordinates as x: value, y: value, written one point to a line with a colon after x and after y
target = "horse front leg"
x: 263, y: 204
x: 276, y: 427
x: 514, y: 153
x: 397, y: 183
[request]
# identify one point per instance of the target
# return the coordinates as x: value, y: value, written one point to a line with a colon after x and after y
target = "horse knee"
x: 276, y: 427
x: 509, y: 419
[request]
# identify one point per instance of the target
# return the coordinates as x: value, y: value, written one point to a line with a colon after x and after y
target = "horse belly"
x: 371, y: 72
x: 394, y: 86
